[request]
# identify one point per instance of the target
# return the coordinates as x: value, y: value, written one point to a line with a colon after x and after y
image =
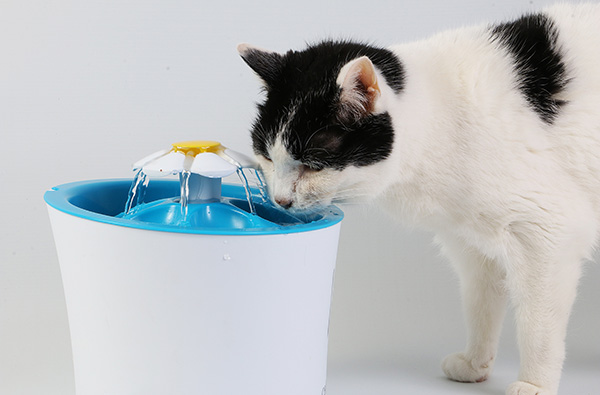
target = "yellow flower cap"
x: 196, y: 147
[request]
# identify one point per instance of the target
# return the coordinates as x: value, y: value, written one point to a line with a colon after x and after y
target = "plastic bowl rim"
x: 59, y: 198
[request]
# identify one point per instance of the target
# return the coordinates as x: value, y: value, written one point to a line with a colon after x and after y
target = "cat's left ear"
x: 265, y: 63
x: 360, y: 89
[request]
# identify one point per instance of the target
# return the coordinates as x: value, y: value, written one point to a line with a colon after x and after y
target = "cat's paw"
x: 523, y: 388
x: 459, y: 367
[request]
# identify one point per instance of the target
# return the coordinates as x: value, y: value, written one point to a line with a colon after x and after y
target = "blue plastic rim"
x: 103, y: 201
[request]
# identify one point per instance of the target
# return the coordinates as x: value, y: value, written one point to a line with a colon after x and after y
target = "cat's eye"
x: 310, y: 168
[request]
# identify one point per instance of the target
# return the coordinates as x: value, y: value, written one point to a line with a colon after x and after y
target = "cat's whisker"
x: 308, y: 140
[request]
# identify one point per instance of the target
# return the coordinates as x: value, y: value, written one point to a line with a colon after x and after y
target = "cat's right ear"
x: 266, y: 64
x: 359, y: 89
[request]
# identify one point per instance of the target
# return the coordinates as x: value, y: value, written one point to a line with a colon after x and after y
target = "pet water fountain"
x: 192, y: 286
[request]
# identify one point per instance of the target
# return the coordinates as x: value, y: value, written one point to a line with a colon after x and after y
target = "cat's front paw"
x: 523, y: 388
x: 459, y: 367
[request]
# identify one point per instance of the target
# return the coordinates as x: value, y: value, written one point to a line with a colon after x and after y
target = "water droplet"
x: 226, y: 257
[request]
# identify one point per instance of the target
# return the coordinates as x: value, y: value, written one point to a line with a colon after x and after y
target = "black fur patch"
x: 303, y: 99
x: 532, y: 42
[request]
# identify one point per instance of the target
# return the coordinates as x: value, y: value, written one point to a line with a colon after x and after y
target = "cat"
x: 489, y: 136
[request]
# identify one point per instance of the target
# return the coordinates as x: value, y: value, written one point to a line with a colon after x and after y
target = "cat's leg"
x: 543, y: 294
x: 484, y: 304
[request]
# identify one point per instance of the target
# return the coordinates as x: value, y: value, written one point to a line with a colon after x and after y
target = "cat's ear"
x: 360, y: 89
x: 265, y: 63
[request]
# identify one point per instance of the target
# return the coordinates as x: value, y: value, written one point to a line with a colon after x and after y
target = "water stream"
x: 244, y: 180
x: 137, y: 192
x: 200, y: 190
x: 184, y: 183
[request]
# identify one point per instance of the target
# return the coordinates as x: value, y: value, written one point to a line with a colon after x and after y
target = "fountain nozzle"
x: 201, y: 165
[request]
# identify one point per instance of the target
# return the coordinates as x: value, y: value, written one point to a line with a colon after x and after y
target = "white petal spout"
x: 212, y: 165
x: 238, y: 159
x: 147, y: 159
x: 171, y: 163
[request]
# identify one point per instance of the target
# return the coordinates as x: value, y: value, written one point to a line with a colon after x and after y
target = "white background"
x: 88, y: 87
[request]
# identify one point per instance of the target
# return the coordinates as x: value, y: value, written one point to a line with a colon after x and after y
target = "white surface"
x: 89, y: 87
x: 419, y: 377
x: 144, y: 321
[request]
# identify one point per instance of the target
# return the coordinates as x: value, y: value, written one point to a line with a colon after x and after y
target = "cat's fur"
x: 489, y: 136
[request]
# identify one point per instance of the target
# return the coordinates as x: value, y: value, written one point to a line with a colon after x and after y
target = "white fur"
x: 514, y: 201
x: 289, y: 180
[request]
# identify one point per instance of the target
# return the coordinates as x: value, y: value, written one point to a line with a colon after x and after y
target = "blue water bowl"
x: 104, y: 201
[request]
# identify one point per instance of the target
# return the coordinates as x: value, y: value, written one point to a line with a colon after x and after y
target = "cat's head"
x: 323, y: 128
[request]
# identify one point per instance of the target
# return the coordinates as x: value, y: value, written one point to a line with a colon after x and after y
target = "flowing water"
x: 262, y: 187
x: 184, y: 184
x: 137, y: 192
x: 255, y: 191
x: 244, y: 180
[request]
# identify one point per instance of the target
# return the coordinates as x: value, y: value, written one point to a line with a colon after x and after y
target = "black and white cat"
x: 489, y: 136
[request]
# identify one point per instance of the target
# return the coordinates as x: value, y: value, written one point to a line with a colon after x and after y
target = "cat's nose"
x: 284, y: 202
